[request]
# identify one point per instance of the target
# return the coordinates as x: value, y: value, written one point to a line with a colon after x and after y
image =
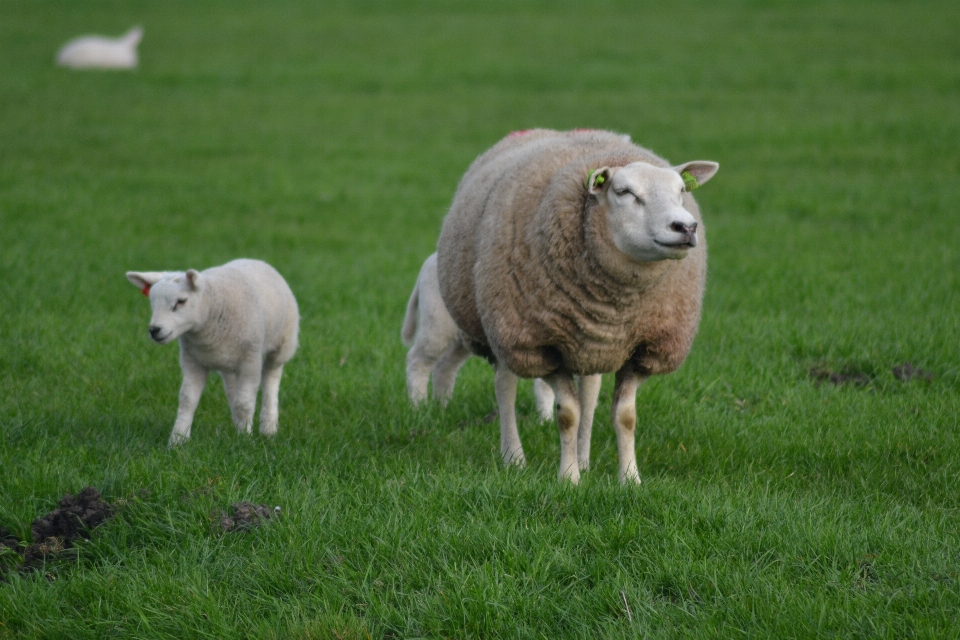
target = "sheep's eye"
x: 622, y: 192
x: 180, y: 303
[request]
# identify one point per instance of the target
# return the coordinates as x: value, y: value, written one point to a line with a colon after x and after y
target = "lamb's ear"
x: 144, y: 280
x: 193, y: 279
x: 598, y: 181
x: 696, y: 173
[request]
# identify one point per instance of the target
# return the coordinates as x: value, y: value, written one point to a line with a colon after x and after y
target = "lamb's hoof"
x: 176, y: 439
x: 269, y: 430
x: 630, y: 479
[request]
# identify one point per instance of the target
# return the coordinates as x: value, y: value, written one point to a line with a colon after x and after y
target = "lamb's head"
x: 175, y: 297
x: 645, y: 211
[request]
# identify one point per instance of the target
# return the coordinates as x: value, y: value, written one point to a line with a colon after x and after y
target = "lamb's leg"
x: 544, y: 397
x: 589, y: 391
x: 194, y: 380
x: 245, y: 398
x: 568, y: 421
x: 270, y: 400
x: 510, y: 448
x: 625, y: 421
x: 230, y: 389
x: 419, y: 364
x: 445, y: 371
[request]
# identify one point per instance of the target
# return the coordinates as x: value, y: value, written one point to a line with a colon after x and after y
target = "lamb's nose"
x: 154, y: 332
x: 679, y: 227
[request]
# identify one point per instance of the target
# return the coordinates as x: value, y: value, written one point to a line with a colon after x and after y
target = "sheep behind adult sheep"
x: 576, y: 253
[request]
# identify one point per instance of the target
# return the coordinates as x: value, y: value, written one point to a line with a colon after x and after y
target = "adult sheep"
x: 572, y: 254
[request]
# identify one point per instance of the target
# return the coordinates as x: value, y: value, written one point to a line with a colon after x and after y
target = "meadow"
x: 328, y: 140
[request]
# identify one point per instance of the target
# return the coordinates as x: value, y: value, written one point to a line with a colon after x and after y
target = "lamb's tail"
x: 409, y: 330
x: 132, y: 38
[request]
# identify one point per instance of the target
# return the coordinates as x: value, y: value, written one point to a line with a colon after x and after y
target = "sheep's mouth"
x: 160, y: 339
x: 681, y: 246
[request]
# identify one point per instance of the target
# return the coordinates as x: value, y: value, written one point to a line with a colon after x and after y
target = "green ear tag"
x: 689, y: 182
x: 598, y: 180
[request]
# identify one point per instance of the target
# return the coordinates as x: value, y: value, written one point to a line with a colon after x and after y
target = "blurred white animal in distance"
x: 98, y: 52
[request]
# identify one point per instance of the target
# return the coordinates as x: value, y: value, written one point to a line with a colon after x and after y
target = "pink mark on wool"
x: 522, y: 132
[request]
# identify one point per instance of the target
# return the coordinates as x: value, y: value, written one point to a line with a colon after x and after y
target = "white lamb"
x: 99, y: 52
x: 435, y: 347
x: 239, y: 319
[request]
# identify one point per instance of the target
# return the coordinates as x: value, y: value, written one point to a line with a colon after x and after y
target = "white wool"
x: 436, y: 348
x: 239, y: 319
x: 99, y: 52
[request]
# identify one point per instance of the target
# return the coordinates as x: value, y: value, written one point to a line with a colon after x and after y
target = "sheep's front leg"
x: 244, y: 400
x: 589, y: 390
x: 445, y: 371
x: 270, y: 401
x: 510, y: 448
x: 625, y: 421
x: 568, y: 421
x: 194, y: 380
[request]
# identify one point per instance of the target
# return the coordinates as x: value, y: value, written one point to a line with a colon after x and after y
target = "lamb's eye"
x: 180, y: 303
x: 622, y: 192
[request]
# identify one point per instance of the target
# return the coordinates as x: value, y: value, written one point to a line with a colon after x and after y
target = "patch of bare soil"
x: 822, y: 374
x: 243, y: 516
x: 54, y: 533
x: 907, y: 372
x: 851, y: 375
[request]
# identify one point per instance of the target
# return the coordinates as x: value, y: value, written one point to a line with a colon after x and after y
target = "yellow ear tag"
x: 689, y: 182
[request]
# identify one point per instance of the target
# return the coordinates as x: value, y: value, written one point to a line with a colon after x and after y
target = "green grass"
x: 328, y: 140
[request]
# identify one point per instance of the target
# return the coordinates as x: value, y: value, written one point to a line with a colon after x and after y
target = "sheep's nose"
x: 154, y: 332
x: 679, y: 227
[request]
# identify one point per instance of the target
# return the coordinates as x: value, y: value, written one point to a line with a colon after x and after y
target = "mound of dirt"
x: 54, y: 533
x: 244, y: 516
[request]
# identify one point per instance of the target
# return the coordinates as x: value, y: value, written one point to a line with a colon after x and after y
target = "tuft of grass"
x: 328, y: 140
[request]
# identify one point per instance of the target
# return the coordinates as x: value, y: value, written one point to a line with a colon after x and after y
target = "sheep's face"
x: 175, y: 298
x: 646, y: 217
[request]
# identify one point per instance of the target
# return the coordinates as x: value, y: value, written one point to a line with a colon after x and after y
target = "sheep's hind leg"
x: 625, y: 422
x: 568, y: 422
x: 194, y: 380
x: 446, y: 369
x: 511, y: 450
x: 589, y: 390
x: 245, y: 397
x: 270, y: 400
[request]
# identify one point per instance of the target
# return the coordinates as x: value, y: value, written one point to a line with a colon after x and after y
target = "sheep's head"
x: 175, y: 299
x: 646, y: 217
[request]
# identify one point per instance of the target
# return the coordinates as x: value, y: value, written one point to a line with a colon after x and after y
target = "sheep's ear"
x: 696, y: 173
x: 134, y: 36
x: 144, y: 280
x: 193, y: 279
x: 598, y: 181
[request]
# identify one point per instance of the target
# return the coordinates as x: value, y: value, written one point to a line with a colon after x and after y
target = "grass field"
x: 328, y: 140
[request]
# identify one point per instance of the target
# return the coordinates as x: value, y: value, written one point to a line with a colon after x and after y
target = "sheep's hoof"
x: 630, y: 479
x: 515, y: 459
